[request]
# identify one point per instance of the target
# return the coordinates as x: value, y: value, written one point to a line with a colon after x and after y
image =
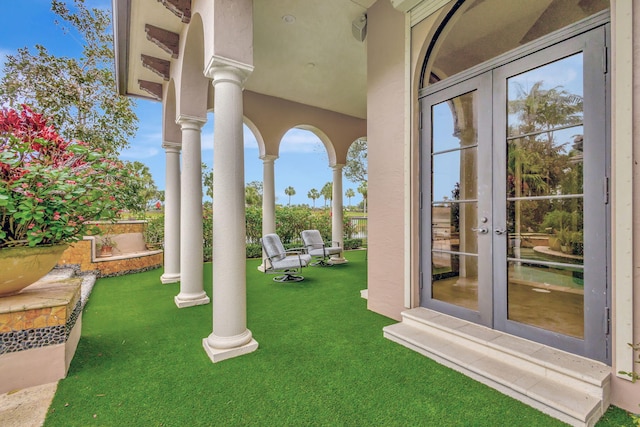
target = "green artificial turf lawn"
x: 322, y: 360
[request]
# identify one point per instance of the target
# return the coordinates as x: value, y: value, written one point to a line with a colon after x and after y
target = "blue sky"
x: 26, y: 23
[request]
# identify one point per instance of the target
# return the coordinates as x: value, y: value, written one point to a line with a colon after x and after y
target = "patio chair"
x: 286, y: 263
x: 315, y: 246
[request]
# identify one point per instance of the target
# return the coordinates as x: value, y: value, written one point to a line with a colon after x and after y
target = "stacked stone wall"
x: 83, y: 255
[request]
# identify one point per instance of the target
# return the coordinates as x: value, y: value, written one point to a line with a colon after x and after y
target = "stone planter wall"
x: 39, y: 331
x: 129, y: 257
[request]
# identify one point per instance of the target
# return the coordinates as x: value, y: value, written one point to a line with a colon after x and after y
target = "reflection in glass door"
x: 514, y: 235
x: 550, y: 202
x: 545, y: 209
x: 454, y: 205
x: 459, y: 208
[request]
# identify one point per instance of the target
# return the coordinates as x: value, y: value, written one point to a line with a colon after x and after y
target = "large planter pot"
x: 106, y: 251
x: 22, y: 266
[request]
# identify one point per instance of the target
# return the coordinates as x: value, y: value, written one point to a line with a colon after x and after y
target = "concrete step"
x: 570, y: 388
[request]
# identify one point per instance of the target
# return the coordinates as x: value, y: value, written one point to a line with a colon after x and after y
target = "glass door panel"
x: 514, y: 214
x: 454, y: 245
x: 544, y: 181
x: 458, y: 254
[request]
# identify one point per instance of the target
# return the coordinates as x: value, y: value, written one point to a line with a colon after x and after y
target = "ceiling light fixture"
x: 289, y: 19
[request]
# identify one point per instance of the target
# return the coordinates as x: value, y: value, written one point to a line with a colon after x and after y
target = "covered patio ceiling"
x: 303, y: 51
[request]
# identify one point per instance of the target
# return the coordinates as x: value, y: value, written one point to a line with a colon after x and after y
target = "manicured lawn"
x: 322, y: 360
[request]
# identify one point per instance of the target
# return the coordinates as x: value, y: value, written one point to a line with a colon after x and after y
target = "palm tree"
x: 290, y: 191
x: 252, y: 197
x: 313, y: 194
x: 327, y: 192
x: 535, y: 162
x: 362, y: 189
x: 349, y: 194
x: 253, y: 193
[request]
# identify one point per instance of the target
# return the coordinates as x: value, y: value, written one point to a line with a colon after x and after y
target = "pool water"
x: 544, y: 275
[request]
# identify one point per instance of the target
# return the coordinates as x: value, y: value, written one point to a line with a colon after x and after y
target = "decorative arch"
x: 326, y: 141
x: 170, y: 130
x: 257, y: 135
x: 193, y: 91
x: 498, y: 27
x: 434, y: 40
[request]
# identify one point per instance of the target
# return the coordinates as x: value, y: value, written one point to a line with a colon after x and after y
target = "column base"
x: 190, y: 301
x: 220, y: 354
x: 338, y: 260
x: 170, y: 278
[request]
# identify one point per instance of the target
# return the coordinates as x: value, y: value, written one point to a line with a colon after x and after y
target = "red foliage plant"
x: 51, y: 187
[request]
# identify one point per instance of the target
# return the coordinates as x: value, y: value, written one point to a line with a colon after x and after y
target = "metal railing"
x: 359, y: 225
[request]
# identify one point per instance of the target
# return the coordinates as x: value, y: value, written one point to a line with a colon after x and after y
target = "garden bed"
x: 130, y: 254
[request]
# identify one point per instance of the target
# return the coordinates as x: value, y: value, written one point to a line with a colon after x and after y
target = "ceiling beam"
x: 153, y: 89
x: 166, y: 40
x: 159, y: 66
x: 180, y: 8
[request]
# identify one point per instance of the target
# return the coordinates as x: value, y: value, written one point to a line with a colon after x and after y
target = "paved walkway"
x: 27, y: 407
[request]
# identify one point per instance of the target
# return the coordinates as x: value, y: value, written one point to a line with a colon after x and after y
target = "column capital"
x: 221, y: 69
x: 268, y: 158
x: 337, y: 166
x: 174, y: 147
x: 190, y: 122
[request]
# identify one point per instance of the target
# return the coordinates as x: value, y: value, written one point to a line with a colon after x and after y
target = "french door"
x: 514, y: 233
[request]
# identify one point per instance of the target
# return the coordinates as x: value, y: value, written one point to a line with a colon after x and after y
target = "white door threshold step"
x: 570, y: 388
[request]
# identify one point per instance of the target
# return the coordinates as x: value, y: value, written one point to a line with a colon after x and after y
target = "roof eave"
x: 121, y: 25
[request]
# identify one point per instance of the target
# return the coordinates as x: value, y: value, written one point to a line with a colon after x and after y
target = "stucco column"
x: 191, y: 281
x: 268, y: 197
x: 171, y: 213
x: 230, y: 336
x: 337, y: 226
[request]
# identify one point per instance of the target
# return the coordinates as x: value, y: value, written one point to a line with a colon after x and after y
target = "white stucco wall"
x: 625, y: 17
x: 386, y: 136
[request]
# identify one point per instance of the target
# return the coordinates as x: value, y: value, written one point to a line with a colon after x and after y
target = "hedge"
x: 290, y: 222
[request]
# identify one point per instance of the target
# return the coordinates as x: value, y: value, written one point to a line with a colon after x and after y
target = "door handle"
x: 500, y: 231
x: 480, y: 230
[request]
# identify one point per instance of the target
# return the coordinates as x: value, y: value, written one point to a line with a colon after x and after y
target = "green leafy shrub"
x: 154, y: 232
x: 254, y: 250
x: 290, y: 221
x: 352, y: 244
x: 557, y: 220
x: 321, y: 221
x: 348, y: 227
x: 207, y: 232
x: 253, y: 224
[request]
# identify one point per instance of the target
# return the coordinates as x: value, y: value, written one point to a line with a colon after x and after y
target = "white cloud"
x: 206, y: 139
x: 566, y: 73
x: 144, y: 145
x: 301, y: 141
x: 250, y: 141
x: 139, y: 153
x: 294, y: 141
